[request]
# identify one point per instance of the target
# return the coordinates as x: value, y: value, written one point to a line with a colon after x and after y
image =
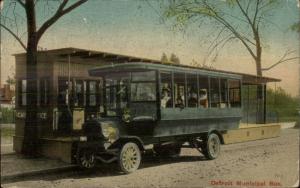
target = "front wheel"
x: 211, y: 146
x: 129, y: 157
x: 86, y: 158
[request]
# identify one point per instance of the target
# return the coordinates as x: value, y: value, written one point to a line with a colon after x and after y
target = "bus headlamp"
x: 109, y: 132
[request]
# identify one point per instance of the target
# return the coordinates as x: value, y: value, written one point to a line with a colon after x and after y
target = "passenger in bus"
x: 203, y: 101
x: 192, y: 102
x: 179, y: 103
x: 166, y: 99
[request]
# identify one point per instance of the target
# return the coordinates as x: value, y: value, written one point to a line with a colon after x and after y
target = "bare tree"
x: 34, y: 35
x: 241, y: 20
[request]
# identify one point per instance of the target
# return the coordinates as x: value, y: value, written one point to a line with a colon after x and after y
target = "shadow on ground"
x: 103, y: 170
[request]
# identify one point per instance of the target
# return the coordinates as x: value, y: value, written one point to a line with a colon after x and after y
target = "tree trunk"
x: 260, y: 94
x: 30, y: 143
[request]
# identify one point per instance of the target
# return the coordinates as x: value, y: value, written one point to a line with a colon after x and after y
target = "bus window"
x: 166, y: 100
x: 179, y: 89
x: 214, y: 92
x: 192, y: 90
x: 234, y: 93
x: 143, y: 92
x: 116, y: 92
x: 203, y: 91
x: 143, y: 76
x: 224, y: 93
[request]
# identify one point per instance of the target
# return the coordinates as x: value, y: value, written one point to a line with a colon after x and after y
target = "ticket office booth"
x: 78, y: 100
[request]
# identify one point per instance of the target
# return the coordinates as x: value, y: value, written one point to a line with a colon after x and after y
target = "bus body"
x: 161, y: 105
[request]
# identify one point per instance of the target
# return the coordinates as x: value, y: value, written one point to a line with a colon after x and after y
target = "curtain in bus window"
x: 192, y: 90
x: 203, y: 91
x: 179, y: 89
x: 224, y: 93
x: 214, y: 92
x: 166, y: 100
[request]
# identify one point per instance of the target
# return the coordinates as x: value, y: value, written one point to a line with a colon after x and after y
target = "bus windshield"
x: 116, y: 92
x: 140, y: 86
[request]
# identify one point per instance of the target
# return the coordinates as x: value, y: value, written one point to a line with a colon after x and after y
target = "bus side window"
x: 166, y: 100
x: 179, y: 89
x: 224, y: 93
x: 214, y: 93
x: 234, y: 93
x: 192, y: 90
x: 203, y: 91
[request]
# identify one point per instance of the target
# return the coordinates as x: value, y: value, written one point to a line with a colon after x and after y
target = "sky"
x: 134, y: 27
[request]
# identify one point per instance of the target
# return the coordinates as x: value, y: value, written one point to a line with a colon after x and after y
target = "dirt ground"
x: 263, y: 163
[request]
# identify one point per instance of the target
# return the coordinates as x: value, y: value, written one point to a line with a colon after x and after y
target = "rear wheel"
x: 129, y: 157
x: 85, y: 158
x: 170, y: 150
x: 211, y: 147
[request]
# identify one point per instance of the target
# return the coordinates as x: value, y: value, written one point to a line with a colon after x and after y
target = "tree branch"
x: 21, y: 3
x: 59, y: 13
x: 279, y: 62
x: 14, y: 35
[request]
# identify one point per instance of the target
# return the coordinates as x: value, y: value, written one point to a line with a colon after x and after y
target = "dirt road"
x: 263, y: 163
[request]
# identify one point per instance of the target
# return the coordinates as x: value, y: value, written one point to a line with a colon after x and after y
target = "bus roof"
x: 139, y: 66
x: 126, y: 59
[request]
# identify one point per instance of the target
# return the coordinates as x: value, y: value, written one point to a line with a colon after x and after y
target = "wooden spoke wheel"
x: 211, y: 146
x: 86, y: 158
x: 129, y: 157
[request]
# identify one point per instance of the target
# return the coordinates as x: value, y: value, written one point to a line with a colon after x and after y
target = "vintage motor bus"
x: 166, y: 107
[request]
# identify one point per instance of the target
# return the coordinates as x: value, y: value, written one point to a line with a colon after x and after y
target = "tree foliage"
x: 283, y: 104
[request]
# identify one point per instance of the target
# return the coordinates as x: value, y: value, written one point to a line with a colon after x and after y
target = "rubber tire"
x: 79, y: 156
x: 206, y: 149
x: 123, y: 152
x: 172, y: 150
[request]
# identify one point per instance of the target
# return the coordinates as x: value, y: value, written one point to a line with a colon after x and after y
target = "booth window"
x: 22, y: 92
x: 192, y: 90
x: 92, y: 87
x: 179, y: 89
x: 203, y: 92
x: 224, y: 93
x: 214, y: 92
x: 63, y: 92
x: 234, y: 93
x: 44, y: 92
x: 80, y: 93
x: 166, y: 100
